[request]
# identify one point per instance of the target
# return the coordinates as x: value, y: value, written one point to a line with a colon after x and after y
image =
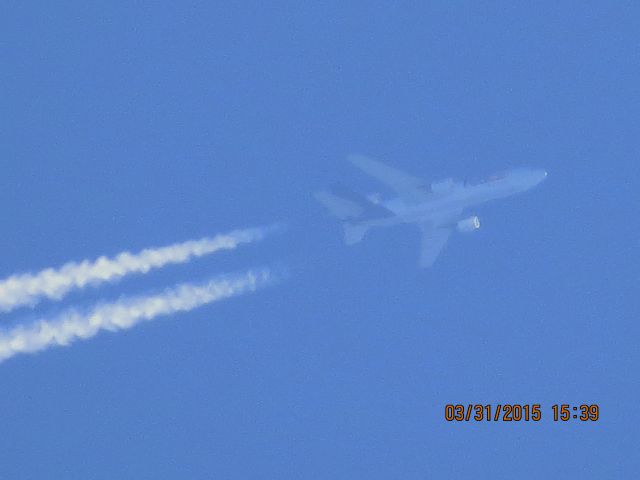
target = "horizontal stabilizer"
x: 340, y: 207
x: 349, y: 205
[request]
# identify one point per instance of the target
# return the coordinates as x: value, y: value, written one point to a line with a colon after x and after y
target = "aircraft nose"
x: 536, y: 176
x: 543, y: 175
x: 533, y: 177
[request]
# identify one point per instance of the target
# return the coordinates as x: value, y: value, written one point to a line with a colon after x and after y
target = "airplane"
x: 436, y: 207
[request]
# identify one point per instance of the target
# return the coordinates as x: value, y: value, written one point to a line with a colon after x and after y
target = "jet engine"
x: 470, y: 224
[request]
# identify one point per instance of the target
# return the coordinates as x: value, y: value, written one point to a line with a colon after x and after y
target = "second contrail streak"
x: 28, y: 289
x: 123, y: 314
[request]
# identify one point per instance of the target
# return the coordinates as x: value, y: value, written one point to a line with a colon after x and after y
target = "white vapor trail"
x: 28, y: 289
x: 125, y: 313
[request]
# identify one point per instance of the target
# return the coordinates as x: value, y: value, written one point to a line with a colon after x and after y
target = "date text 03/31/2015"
x: 514, y: 412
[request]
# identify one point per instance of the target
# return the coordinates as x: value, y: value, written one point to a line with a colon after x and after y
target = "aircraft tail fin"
x: 339, y: 206
x: 353, y: 233
x: 353, y: 209
x: 348, y: 205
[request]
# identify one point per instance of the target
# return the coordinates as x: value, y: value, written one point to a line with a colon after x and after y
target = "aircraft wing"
x: 432, y: 241
x: 409, y: 188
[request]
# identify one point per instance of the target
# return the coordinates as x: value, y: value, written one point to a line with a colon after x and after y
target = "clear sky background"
x: 133, y: 124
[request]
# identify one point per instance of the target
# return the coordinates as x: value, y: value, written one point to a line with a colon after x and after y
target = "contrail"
x: 28, y: 289
x: 125, y: 313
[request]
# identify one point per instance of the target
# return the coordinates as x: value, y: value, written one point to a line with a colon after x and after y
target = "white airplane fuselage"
x: 456, y: 197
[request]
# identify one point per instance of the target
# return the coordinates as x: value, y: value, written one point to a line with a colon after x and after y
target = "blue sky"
x: 128, y: 125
